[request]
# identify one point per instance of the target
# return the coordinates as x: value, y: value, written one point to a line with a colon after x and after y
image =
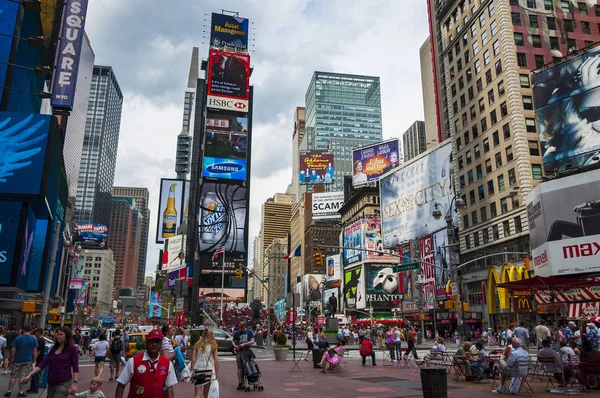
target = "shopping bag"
x: 186, y: 373
x: 214, y: 389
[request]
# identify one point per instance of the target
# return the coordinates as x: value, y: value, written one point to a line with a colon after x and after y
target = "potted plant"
x: 281, y: 347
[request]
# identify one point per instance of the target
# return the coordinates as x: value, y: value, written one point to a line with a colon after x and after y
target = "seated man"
x: 464, y: 351
x: 366, y: 350
x: 477, y: 363
x: 590, y: 368
x: 511, y: 369
x: 555, y: 368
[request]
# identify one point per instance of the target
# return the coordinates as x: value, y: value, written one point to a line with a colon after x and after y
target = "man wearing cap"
x: 242, y: 341
x: 151, y: 375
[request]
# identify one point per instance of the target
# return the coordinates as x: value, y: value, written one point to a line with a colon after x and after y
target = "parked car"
x: 224, y: 339
x: 133, y: 339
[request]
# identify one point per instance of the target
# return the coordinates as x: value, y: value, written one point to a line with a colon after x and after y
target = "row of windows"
x: 474, y: 240
x: 565, y: 5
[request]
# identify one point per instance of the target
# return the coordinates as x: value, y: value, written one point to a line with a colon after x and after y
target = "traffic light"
x: 239, y: 273
x: 318, y: 260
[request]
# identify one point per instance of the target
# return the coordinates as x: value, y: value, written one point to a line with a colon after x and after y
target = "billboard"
x: 23, y: 139
x: 76, y: 280
x: 316, y: 167
x: 567, y: 103
x: 408, y: 197
x: 175, y: 253
x: 92, y: 235
x: 441, y: 258
x: 213, y: 295
x: 353, y: 239
x: 222, y: 220
x: 326, y: 205
x: 10, y: 216
x: 225, y: 147
x: 229, y: 81
x: 382, y: 286
x: 371, y: 232
x: 333, y: 268
x: 370, y: 163
x: 228, y: 31
x: 406, y: 277
x: 154, y: 309
x: 564, y: 225
x: 428, y: 291
x: 69, y: 51
x: 170, y: 208
x: 313, y: 289
x: 331, y: 297
x: 8, y: 10
x: 354, y: 288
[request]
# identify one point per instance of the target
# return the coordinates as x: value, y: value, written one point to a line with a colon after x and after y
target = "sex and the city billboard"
x: 228, y: 31
x: 225, y: 147
x: 316, y: 166
x: 228, y: 81
x: 409, y: 195
x: 371, y: 162
x: 564, y: 225
x: 170, y: 208
x: 567, y: 103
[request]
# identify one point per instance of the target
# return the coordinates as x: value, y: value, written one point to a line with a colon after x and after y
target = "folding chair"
x: 548, y: 366
x: 386, y: 357
x: 587, y: 368
x: 341, y: 367
x: 458, y: 365
x: 520, y: 382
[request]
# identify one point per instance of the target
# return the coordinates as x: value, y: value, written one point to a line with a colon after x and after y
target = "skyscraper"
x: 184, y: 140
x: 99, y: 153
x: 345, y: 108
x: 414, y: 140
x: 141, y: 196
x: 125, y: 231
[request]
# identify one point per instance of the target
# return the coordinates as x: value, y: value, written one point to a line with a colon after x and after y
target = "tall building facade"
x: 125, y: 235
x: 100, y: 143
x: 296, y: 188
x: 276, y: 266
x: 484, y: 52
x: 344, y: 107
x: 428, y: 92
x: 257, y: 258
x: 141, y: 197
x: 184, y: 139
x: 99, y: 273
x: 414, y: 140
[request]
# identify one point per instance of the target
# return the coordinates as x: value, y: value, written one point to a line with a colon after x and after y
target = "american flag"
x: 217, y: 252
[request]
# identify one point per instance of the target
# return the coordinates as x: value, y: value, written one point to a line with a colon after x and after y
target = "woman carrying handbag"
x: 205, y: 364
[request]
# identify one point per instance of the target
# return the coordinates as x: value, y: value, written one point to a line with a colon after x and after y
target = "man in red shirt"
x: 366, y: 350
x: 151, y: 375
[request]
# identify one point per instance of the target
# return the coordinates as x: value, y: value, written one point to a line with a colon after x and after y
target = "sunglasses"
x: 590, y: 114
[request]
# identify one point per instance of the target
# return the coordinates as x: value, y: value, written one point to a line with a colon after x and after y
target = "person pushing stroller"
x: 242, y: 341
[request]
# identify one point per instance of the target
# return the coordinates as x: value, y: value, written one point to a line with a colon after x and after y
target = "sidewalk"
x: 4, y: 379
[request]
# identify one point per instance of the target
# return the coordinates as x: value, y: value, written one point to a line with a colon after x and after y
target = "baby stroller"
x: 250, y: 371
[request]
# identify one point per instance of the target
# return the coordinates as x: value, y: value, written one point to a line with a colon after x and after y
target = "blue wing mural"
x: 19, y: 143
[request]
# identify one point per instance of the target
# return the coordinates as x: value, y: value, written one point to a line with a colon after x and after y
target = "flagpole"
x: 222, y: 286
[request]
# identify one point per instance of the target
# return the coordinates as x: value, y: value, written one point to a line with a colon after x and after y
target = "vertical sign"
x: 428, y: 272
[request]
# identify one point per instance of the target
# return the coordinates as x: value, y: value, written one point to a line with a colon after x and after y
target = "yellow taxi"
x: 133, y: 339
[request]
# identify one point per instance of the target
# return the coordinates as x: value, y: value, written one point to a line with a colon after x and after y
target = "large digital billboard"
x: 567, y: 102
x: 8, y: 10
x: 316, y: 167
x: 353, y: 243
x: 313, y: 289
x: 408, y: 197
x: 222, y: 217
x: 225, y: 147
x: 228, y: 81
x: 441, y: 257
x: 23, y: 143
x: 154, y: 309
x: 354, y: 288
x: 564, y: 225
x: 10, y: 216
x: 326, y: 205
x: 370, y: 163
x: 428, y: 292
x: 334, y: 268
x: 170, y: 208
x: 372, y: 240
x: 92, y: 235
x: 213, y: 295
x: 228, y: 31
x: 382, y: 286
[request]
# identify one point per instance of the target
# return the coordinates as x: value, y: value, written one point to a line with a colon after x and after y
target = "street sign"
x: 454, y: 258
x: 406, y: 267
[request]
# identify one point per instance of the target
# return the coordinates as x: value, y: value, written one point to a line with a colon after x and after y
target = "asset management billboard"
x: 228, y: 81
x: 228, y: 31
x: 316, y: 167
x: 371, y: 162
x: 408, y: 197
x: 567, y: 103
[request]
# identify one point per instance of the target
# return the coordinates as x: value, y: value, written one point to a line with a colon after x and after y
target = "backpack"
x: 116, y: 346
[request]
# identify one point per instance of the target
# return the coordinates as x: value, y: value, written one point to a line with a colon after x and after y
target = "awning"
x: 584, y: 310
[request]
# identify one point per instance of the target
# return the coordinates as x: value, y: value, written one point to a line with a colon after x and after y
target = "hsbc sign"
x: 228, y: 104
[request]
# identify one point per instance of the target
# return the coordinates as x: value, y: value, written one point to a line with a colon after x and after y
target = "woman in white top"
x: 99, y: 353
x: 167, y: 346
x: 205, y: 363
x: 398, y: 343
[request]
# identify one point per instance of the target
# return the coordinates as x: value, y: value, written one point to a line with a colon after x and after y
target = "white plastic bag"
x: 186, y: 373
x: 214, y: 389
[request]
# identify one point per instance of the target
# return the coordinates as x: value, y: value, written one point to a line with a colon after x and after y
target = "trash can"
x: 419, y: 338
x: 317, y: 356
x: 434, y: 382
x: 259, y: 339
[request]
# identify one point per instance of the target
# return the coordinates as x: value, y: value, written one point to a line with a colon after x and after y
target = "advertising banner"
x: 567, y: 101
x: 331, y: 300
x: 382, y: 286
x: 76, y: 280
x: 313, y: 289
x: 10, y: 216
x: 372, y: 240
x: 229, y: 81
x: 406, y: 276
x: 316, y: 167
x: 326, y: 205
x: 225, y: 147
x: 353, y: 238
x: 222, y: 217
x: 213, y: 295
x: 8, y: 22
x: 175, y: 253
x: 428, y: 291
x: 408, y: 197
x: 441, y: 255
x: 24, y: 139
x: 354, y: 288
x: 564, y: 225
x: 372, y: 162
x: 233, y: 261
x: 228, y: 31
x: 154, y: 309
x: 92, y: 235
x: 69, y: 51
x: 170, y: 208
x: 334, y: 268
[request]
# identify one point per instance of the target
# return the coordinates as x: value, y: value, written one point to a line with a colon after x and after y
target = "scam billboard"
x: 229, y: 81
x: 353, y: 240
x: 326, y: 205
x: 69, y: 51
x: 316, y: 167
x: 92, y: 235
x: 564, y: 225
x: 354, y: 288
x: 408, y: 197
x: 382, y: 286
x: 170, y: 208
x: 567, y: 103
x: 225, y: 147
x: 372, y: 162
x: 228, y: 31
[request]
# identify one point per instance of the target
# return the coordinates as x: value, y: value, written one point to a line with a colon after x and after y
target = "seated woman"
x: 437, y: 351
x: 330, y: 361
